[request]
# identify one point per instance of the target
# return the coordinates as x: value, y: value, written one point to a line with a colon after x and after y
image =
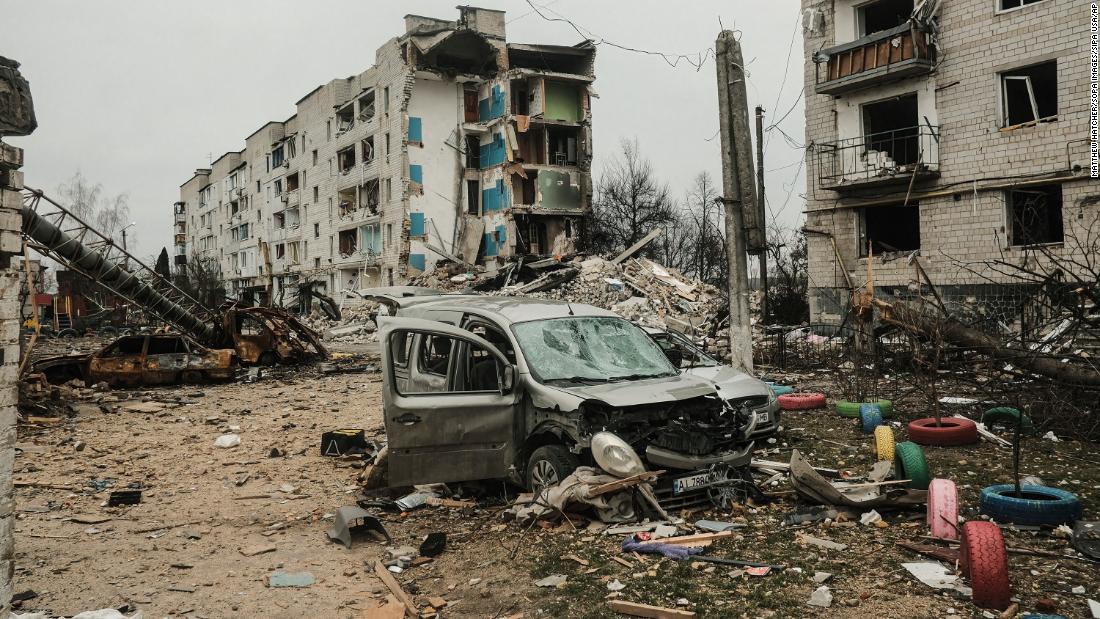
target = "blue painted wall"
x: 495, y: 198
x: 417, y: 260
x: 493, y: 153
x: 493, y: 107
x: 416, y: 174
x: 416, y: 224
x: 416, y: 132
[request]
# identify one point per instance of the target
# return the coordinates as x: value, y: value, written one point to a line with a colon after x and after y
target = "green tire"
x: 909, y: 463
x: 1008, y: 417
x: 851, y: 409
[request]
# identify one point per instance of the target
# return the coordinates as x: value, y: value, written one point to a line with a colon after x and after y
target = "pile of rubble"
x: 637, y: 289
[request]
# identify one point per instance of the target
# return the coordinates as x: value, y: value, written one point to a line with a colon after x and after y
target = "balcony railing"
x: 903, y: 51
x: 888, y: 157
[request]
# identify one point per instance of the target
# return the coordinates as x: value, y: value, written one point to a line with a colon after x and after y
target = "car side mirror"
x: 675, y: 356
x: 507, y: 379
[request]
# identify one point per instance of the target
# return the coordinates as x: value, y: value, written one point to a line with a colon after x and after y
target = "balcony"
x: 896, y: 156
x: 876, y: 58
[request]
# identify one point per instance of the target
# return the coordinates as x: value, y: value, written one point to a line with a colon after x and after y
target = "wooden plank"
x: 845, y: 64
x: 883, y: 53
x: 645, y: 610
x: 387, y: 579
x: 906, y: 48
x: 870, y: 60
x: 633, y: 249
x: 626, y: 482
x: 438, y: 502
x: 857, y: 60
x: 699, y: 539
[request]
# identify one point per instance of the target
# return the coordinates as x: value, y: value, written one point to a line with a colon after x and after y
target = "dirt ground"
x: 214, y: 524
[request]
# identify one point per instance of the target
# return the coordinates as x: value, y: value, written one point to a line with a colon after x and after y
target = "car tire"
x: 870, y: 417
x: 191, y: 377
x: 950, y: 431
x: 548, y: 466
x: 982, y: 559
x: 1040, y: 505
x: 909, y: 463
x: 1008, y: 417
x: 268, y: 359
x: 943, y: 509
x: 884, y: 443
x: 67, y: 333
x: 851, y: 409
x: 801, y: 401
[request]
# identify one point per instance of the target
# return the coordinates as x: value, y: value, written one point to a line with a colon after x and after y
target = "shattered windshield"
x: 590, y: 349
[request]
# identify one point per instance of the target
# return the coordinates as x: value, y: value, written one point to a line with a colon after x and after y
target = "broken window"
x: 386, y: 99
x: 523, y: 189
x: 473, y: 152
x: 473, y: 198
x: 279, y: 220
x: 435, y: 353
x: 1015, y: 4
x: 346, y: 201
x: 891, y: 130
x: 367, y: 147
x: 532, y: 145
x: 366, y: 106
x: 291, y: 148
x: 1035, y: 214
x: 348, y: 242
x: 166, y: 346
x: 280, y: 251
x: 1030, y: 94
x: 346, y: 159
x: 519, y: 97
x: 345, y: 119
x: 292, y: 182
x: 125, y: 346
x: 249, y: 325
x: 278, y: 186
x: 277, y: 156
x: 371, y: 239
x: 469, y: 105
x: 889, y: 228
x: 882, y: 15
x: 368, y: 195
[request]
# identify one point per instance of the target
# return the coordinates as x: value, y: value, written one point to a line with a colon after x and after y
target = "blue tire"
x: 870, y: 415
x: 780, y: 389
x: 1039, y: 505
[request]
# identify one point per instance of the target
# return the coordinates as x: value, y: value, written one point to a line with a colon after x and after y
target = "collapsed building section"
x: 455, y: 146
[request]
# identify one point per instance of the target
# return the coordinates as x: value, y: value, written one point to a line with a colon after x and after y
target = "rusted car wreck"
x: 135, y: 360
x: 527, y: 390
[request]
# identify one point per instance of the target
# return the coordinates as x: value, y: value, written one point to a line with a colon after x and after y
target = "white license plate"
x: 763, y: 417
x: 691, y: 482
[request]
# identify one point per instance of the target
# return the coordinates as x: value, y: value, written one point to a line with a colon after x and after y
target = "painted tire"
x: 951, y: 431
x: 884, y: 443
x: 780, y: 389
x: 801, y: 401
x: 1006, y: 416
x: 983, y: 560
x: 851, y: 409
x: 870, y: 416
x: 1045, y: 505
x: 943, y: 509
x: 909, y: 463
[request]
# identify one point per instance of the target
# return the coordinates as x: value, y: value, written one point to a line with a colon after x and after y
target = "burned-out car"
x: 501, y: 387
x: 135, y: 360
x: 684, y: 354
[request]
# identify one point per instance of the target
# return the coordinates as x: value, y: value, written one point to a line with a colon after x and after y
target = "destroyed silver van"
x: 480, y: 387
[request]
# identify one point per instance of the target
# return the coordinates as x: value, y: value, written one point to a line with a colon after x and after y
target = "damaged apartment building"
x: 455, y: 145
x: 954, y: 132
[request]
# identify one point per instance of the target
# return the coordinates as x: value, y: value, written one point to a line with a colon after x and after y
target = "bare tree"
x: 202, y: 280
x: 787, y: 275
x: 109, y: 214
x: 630, y: 202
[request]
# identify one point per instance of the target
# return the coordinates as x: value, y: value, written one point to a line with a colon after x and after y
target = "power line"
x: 696, y: 60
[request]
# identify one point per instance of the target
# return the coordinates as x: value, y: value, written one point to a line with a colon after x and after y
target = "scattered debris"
x: 937, y: 576
x: 554, y: 580
x: 227, y: 441
x: 821, y: 597
x: 344, y: 528
x: 285, y: 579
x: 645, y: 610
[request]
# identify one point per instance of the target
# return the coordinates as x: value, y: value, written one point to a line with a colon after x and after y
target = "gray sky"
x: 136, y: 94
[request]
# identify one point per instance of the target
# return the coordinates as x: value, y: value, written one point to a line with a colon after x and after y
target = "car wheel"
x: 67, y: 333
x: 549, y: 465
x: 268, y: 359
x: 191, y: 377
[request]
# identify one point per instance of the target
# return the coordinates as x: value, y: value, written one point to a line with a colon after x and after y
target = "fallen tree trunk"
x: 914, y: 319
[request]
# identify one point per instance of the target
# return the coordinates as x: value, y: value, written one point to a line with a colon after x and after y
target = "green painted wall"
x: 563, y: 102
x: 557, y: 192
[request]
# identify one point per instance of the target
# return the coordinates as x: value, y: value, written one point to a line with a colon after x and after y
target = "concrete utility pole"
x: 761, y: 211
x: 738, y: 196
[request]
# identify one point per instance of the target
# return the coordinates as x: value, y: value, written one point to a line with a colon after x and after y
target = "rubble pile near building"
x: 638, y: 289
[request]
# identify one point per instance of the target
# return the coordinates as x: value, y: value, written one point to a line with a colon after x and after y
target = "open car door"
x: 449, y: 400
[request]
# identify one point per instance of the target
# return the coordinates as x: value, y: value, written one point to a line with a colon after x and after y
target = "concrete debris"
x: 821, y: 597
x: 284, y: 579
x: 227, y: 441
x: 554, y: 580
x: 937, y: 576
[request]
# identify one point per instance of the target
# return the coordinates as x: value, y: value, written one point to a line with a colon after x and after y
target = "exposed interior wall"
x: 563, y: 101
x: 11, y: 200
x: 438, y: 104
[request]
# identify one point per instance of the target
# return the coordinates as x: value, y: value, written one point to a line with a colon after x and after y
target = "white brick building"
x: 959, y: 130
x: 454, y: 144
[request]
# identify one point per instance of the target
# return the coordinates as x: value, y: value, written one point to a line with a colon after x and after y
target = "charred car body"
x: 501, y: 387
x: 135, y: 360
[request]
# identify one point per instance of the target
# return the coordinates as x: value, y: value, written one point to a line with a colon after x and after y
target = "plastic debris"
x: 671, y: 551
x: 615, y: 585
x: 937, y: 576
x: 870, y: 517
x: 554, y: 580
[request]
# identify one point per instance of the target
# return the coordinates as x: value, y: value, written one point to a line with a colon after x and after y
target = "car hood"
x: 731, y: 383
x: 645, y: 391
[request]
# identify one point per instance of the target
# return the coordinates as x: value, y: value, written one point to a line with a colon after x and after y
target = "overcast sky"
x: 136, y: 94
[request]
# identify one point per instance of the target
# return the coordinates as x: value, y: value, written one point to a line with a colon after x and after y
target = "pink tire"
x: 943, y: 509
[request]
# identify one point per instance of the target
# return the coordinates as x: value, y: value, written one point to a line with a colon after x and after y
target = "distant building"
x: 956, y: 129
x: 454, y: 144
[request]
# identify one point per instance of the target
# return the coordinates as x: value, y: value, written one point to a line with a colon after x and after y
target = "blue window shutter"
x: 416, y: 224
x: 416, y: 174
x: 418, y: 261
x: 415, y: 129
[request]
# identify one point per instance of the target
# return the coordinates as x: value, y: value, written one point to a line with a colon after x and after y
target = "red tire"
x: 801, y: 401
x: 951, y: 431
x: 943, y: 509
x: 983, y: 560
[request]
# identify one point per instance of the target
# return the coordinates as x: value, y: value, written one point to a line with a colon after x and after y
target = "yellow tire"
x: 884, y: 443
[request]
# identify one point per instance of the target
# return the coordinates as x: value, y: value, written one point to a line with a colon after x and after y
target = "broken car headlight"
x: 615, y: 456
